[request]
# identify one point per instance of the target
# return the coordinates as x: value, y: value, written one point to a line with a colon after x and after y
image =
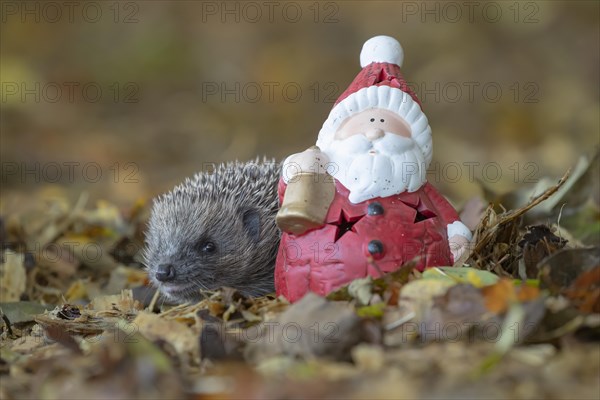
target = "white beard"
x: 397, y: 166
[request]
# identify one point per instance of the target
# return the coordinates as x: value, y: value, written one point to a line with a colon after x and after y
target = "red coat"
x: 368, y: 238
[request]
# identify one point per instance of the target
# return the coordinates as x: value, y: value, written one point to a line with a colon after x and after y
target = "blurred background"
x: 122, y: 100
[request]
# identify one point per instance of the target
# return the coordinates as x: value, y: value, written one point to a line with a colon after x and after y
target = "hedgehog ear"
x: 251, y: 221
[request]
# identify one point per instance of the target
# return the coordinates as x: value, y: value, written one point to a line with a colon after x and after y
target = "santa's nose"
x: 373, y: 134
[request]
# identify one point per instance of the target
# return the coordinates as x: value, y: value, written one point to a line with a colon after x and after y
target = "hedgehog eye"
x: 208, y: 247
x: 372, y: 119
x: 382, y: 120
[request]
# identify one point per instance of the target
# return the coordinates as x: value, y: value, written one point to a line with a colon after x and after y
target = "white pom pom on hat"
x: 381, y: 49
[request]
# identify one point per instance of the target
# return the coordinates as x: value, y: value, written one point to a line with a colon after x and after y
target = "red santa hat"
x: 380, y: 85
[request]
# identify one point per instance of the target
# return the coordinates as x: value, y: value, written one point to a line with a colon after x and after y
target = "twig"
x: 491, y: 231
x: 7, y: 323
x: 153, y: 301
x: 549, y: 192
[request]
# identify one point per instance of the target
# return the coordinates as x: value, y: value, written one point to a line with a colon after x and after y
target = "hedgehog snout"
x: 165, y: 273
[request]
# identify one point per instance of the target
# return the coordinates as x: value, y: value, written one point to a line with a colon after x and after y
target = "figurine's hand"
x: 312, y: 160
x: 458, y: 246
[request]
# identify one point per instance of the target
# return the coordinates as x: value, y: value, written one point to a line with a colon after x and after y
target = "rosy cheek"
x: 403, y: 133
x: 344, y: 134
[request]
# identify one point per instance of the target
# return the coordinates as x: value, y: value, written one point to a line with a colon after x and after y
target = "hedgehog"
x: 215, y: 230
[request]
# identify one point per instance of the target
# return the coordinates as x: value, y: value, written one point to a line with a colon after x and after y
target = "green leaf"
x: 475, y: 277
x: 374, y: 311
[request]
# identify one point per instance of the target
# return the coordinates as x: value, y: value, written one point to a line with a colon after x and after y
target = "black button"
x: 375, y: 248
x: 375, y: 208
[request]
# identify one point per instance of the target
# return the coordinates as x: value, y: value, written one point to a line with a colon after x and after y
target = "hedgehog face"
x: 197, y: 241
x: 189, y: 248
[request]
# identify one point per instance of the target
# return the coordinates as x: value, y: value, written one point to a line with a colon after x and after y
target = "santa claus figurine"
x: 358, y: 203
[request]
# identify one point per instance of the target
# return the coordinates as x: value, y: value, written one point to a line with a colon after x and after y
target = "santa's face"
x: 373, y: 124
x: 374, y: 155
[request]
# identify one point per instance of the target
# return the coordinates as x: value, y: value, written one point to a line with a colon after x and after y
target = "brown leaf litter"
x: 520, y: 321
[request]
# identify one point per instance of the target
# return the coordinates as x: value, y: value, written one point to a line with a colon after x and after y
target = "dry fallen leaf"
x: 123, y: 302
x: 573, y: 272
x: 13, y: 279
x: 500, y: 296
x: 311, y: 327
x: 537, y: 244
x: 179, y: 335
x: 584, y: 292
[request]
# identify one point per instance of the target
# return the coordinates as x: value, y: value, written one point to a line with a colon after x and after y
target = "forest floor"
x: 519, y: 319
